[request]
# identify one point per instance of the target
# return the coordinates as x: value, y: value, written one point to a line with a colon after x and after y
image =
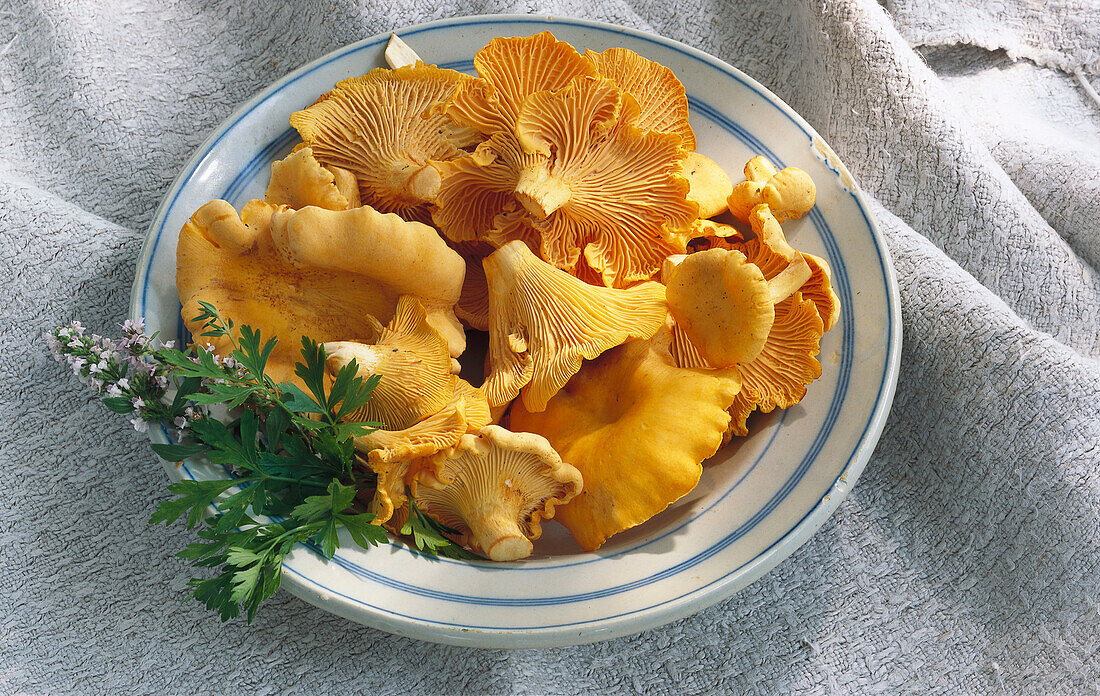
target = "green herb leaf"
x: 253, y: 354
x: 358, y: 394
x: 118, y: 404
x: 312, y: 372
x: 176, y: 453
x: 194, y: 498
x: 298, y: 401
x: 337, y: 498
x: 277, y: 423
x: 429, y: 535
x: 362, y: 529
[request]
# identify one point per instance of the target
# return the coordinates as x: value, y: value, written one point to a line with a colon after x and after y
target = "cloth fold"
x: 965, y: 560
x: 1058, y: 34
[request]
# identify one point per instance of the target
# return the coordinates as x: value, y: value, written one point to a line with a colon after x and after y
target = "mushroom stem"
x: 505, y: 262
x: 789, y: 280
x: 498, y: 533
x: 339, y: 353
x: 424, y: 184
x: 413, y: 181
x: 540, y: 192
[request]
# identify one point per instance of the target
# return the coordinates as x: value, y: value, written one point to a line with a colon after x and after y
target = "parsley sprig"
x: 289, y: 455
x: 429, y: 535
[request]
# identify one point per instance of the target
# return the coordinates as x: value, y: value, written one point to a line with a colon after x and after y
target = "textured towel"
x: 964, y: 561
x: 1052, y: 34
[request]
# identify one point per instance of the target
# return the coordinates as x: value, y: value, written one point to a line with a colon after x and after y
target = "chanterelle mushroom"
x: 785, y: 269
x: 232, y: 262
x: 299, y: 180
x: 778, y: 376
x: 637, y: 427
x: 660, y: 95
x: 496, y: 489
x: 543, y: 322
x: 710, y: 185
x: 789, y: 192
x: 602, y: 186
x: 722, y: 303
x: 393, y: 256
x: 412, y: 359
x: 382, y: 128
x: 398, y: 457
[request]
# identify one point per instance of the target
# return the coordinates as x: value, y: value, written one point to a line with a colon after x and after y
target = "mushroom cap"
x: 661, y: 96
x: 777, y: 378
x: 233, y: 264
x: 710, y: 185
x: 723, y: 304
x: 382, y: 128
x: 401, y: 457
x: 543, y: 322
x: 298, y: 180
x: 819, y: 289
x: 616, y: 422
x: 707, y: 234
x: 610, y: 188
x: 510, y: 70
x: 497, y: 487
x: 395, y: 256
x: 412, y: 359
x: 789, y: 192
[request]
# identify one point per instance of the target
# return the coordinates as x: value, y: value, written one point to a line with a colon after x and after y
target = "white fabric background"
x: 965, y: 561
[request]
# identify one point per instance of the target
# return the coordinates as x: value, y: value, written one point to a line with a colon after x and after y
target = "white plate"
x: 755, y: 506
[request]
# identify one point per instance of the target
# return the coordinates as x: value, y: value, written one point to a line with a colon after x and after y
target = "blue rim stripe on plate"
x: 834, y: 256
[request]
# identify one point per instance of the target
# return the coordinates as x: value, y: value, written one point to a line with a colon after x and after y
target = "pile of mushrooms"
x: 639, y: 306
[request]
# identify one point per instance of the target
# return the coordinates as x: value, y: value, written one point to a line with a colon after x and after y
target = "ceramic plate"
x: 760, y: 500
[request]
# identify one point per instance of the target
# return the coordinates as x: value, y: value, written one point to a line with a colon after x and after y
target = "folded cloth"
x: 1059, y: 34
x: 965, y: 560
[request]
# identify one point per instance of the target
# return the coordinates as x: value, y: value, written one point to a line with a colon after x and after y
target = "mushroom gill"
x: 413, y: 361
x: 778, y: 376
x: 660, y: 95
x: 496, y: 488
x: 383, y: 128
x: 543, y: 322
